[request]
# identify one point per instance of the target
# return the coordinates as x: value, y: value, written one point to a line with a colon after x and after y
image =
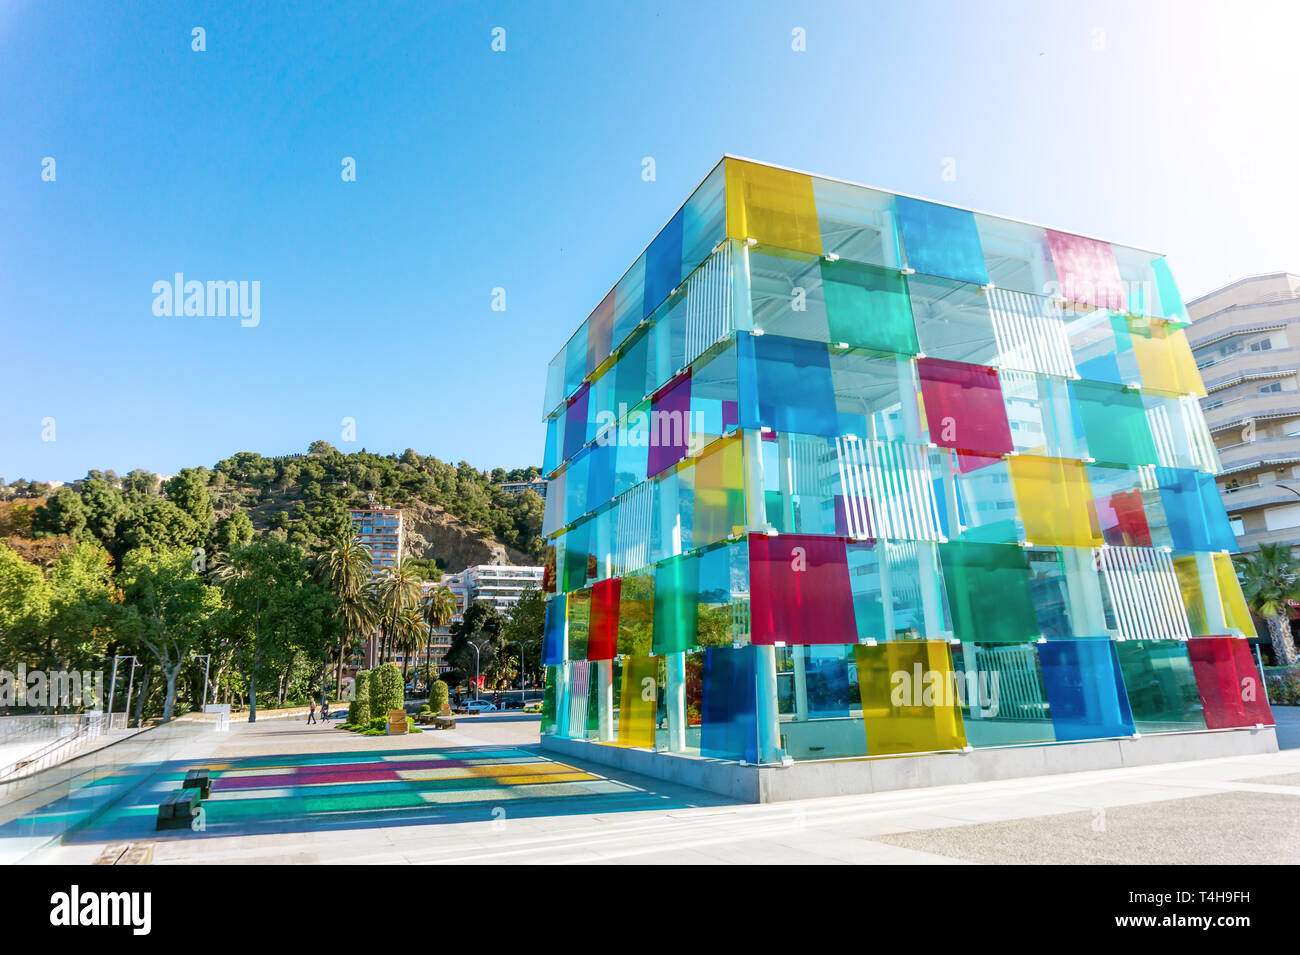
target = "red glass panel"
x: 1229, y: 682
x: 799, y: 590
x: 964, y: 408
x: 602, y: 639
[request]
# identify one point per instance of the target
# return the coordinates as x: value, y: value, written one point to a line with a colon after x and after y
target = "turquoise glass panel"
x: 575, y: 361
x: 785, y: 384
x: 1171, y: 300
x: 1113, y: 423
x: 577, y: 555
x: 576, y: 477
x: 1085, y: 689
x: 941, y: 240
x: 676, y: 604
x: 631, y: 382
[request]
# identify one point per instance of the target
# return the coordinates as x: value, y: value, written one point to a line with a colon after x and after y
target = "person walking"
x: 311, y: 713
x: 325, y: 710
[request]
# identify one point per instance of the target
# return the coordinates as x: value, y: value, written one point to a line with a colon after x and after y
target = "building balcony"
x: 1249, y: 366
x: 1236, y: 412
x: 1249, y: 497
x: 1260, y: 453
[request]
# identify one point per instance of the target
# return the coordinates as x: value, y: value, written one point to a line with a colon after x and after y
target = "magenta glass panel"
x: 575, y: 423
x: 1087, y: 271
x: 670, y: 424
x: 799, y: 590
x: 964, y: 408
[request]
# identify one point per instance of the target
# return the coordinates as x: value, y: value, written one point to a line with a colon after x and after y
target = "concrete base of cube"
x: 843, y: 777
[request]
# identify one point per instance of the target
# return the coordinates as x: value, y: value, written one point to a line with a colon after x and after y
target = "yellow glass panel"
x: 719, y: 493
x: 1165, y: 358
x: 1189, y: 584
x: 638, y: 702
x: 1055, y: 501
x: 910, y: 699
x: 772, y: 206
x: 1235, y: 611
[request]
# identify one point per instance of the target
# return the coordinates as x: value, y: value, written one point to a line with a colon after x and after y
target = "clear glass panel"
x: 575, y: 360
x: 1038, y: 411
x: 801, y: 485
x: 723, y: 615
x: 600, y: 333
x: 713, y: 396
x: 875, y: 395
x: 1015, y: 254
x: 1101, y: 345
x: 892, y: 583
x: 953, y: 320
x: 786, y: 295
x: 1119, y: 504
x: 1004, y: 701
x: 636, y: 612
x: 857, y: 223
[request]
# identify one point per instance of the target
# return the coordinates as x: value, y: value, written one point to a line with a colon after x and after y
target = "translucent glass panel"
x: 868, y: 307
x: 1113, y: 423
x: 600, y: 332
x: 1101, y: 345
x: 1085, y: 689
x: 729, y: 725
x: 1235, y: 611
x: 667, y: 355
x: 773, y: 206
x: 553, y: 454
x: 579, y: 614
x: 1229, y: 682
x: 636, y: 614
x: 1165, y: 358
x: 1015, y: 254
x: 875, y: 395
x: 676, y: 607
x: 964, y: 408
x: 910, y: 700
x: 602, y: 640
x: 723, y: 600
x: 629, y: 300
x: 719, y: 484
x: 786, y: 294
x: 940, y: 240
x: 1039, y: 415
x: 988, y: 592
x: 670, y: 425
x: 800, y: 590
x: 575, y: 423
x: 892, y: 584
x: 714, y: 391
x: 1171, y: 300
x: 577, y: 559
x: 631, y: 381
x: 953, y: 320
x: 549, y: 725
x: 1178, y: 429
x: 1005, y: 701
x: 1117, y: 496
x: 632, y: 453
x: 785, y: 385
x: 638, y: 701
x: 801, y: 485
x: 976, y: 502
x: 575, y: 360
x: 857, y: 223
x: 1161, y: 686
x: 663, y: 263
x: 554, y: 644
x: 1086, y: 271
x: 1055, y: 501
x: 1194, y: 510
x: 704, y: 220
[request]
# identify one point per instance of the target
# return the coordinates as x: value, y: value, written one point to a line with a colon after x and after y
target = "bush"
x: 425, y: 709
x: 1283, y: 684
x: 359, y: 709
x: 386, y: 690
x: 439, y: 694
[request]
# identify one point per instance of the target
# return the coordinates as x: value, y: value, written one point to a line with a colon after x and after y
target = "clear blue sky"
x: 1173, y: 128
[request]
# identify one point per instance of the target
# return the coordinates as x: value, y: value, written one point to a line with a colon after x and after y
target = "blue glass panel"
x: 785, y: 384
x: 600, y: 475
x: 553, y: 454
x: 1171, y: 300
x: 575, y: 361
x: 729, y: 724
x: 831, y: 692
x: 1085, y: 689
x: 632, y: 455
x: 1197, y: 520
x: 663, y: 264
x: 553, y: 647
x: 575, y: 485
x: 940, y: 240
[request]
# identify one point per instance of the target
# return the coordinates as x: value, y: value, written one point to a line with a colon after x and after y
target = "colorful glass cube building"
x: 837, y: 473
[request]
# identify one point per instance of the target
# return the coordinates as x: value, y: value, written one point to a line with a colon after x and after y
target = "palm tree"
x: 344, y: 564
x: 438, y: 608
x: 398, y: 589
x: 407, y: 636
x: 1268, y: 581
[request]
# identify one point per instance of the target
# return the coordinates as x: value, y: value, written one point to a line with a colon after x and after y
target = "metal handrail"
x: 87, y: 730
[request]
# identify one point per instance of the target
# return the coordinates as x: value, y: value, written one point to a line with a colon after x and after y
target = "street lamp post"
x: 207, y: 663
x: 476, y: 659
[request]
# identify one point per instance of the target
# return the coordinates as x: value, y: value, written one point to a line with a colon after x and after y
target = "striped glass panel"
x: 1030, y: 333
x: 888, y: 490
x: 1143, y: 589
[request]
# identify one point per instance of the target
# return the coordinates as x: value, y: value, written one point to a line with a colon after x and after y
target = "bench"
x: 397, y: 724
x: 198, y: 779
x: 445, y: 720
x: 176, y: 811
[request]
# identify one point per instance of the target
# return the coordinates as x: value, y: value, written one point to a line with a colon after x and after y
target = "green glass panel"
x: 1113, y: 422
x: 1161, y: 685
x: 593, y: 699
x: 988, y: 592
x: 579, y: 623
x: 676, y: 611
x: 868, y: 307
x: 548, y: 702
x: 636, y: 614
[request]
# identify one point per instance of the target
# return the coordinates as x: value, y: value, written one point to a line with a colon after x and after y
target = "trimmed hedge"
x: 359, y: 709
x: 439, y: 694
x: 386, y: 690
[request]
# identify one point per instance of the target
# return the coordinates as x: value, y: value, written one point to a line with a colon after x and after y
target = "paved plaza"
x: 285, y: 792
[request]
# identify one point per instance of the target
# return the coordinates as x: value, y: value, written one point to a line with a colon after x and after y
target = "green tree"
x: 398, y: 589
x: 62, y: 515
x: 525, y: 625
x: 386, y: 690
x: 359, y: 706
x: 168, y: 609
x: 189, y: 491
x: 343, y: 564
x: 232, y: 531
x: 1269, y: 579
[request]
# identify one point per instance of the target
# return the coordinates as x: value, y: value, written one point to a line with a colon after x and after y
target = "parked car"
x: 478, y: 706
x: 513, y: 704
